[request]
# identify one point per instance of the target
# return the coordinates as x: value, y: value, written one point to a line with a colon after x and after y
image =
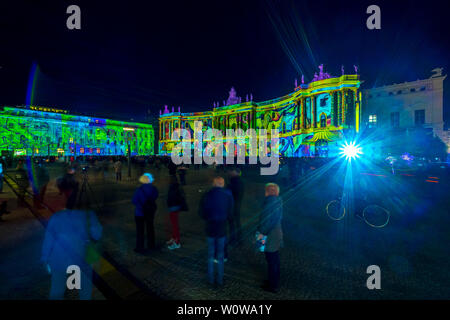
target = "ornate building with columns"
x: 407, y: 107
x: 312, y: 120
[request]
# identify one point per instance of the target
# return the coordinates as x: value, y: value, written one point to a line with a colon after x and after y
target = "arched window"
x: 323, y: 121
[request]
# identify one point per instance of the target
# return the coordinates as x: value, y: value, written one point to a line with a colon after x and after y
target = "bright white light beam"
x: 350, y: 151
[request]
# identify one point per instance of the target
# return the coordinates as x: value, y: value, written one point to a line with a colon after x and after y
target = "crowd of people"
x: 77, y: 227
x: 71, y: 231
x: 220, y: 209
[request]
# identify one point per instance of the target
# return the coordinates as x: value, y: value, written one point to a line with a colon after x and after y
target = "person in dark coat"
x: 172, y: 168
x: 42, y: 180
x: 144, y: 200
x: 69, y: 186
x: 215, y: 208
x: 236, y: 187
x: 182, y: 173
x: 176, y: 202
x: 270, y: 226
x: 22, y: 181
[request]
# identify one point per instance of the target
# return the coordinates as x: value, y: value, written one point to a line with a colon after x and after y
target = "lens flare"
x: 350, y: 151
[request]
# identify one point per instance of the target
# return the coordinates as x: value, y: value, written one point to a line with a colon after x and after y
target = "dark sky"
x: 131, y: 56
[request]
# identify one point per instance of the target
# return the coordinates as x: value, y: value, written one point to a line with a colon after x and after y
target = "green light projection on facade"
x: 39, y: 132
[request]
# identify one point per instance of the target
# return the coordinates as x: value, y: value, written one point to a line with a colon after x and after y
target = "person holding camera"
x: 69, y: 186
x: 270, y: 227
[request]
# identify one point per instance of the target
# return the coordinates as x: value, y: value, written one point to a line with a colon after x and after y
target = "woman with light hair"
x: 270, y: 227
x: 144, y: 200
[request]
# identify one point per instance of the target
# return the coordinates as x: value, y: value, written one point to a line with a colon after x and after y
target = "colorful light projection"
x: 311, y: 120
x: 55, y: 134
x: 324, y: 109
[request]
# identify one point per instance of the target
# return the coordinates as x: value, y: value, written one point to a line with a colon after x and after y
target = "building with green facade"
x: 41, y: 131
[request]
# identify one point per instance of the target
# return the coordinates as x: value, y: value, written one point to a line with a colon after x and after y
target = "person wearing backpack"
x: 176, y: 202
x: 144, y: 200
x: 215, y: 208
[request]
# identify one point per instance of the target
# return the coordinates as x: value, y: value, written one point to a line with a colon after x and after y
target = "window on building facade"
x: 419, y: 117
x: 372, y: 121
x: 395, y: 119
x: 413, y: 90
x: 422, y: 89
x: 399, y: 92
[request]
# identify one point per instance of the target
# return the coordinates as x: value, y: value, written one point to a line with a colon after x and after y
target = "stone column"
x: 344, y: 106
x: 303, y: 114
x: 160, y: 130
x: 314, y: 115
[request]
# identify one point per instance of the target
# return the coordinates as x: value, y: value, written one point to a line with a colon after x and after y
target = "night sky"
x: 131, y: 56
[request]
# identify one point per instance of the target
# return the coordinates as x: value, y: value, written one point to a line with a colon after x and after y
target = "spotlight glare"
x: 350, y: 151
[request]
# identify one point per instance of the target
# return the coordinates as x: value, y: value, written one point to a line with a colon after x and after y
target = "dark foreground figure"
x: 270, y: 226
x: 215, y: 208
x: 67, y: 237
x: 144, y: 200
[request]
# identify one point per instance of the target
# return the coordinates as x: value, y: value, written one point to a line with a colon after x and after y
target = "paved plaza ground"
x: 321, y: 258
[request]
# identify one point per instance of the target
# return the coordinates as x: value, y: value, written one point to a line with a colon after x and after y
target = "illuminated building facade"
x: 311, y: 120
x: 408, y: 106
x: 53, y: 132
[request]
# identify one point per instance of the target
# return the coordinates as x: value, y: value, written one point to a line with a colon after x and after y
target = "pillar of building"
x: 303, y: 114
x: 314, y: 113
x: 344, y: 106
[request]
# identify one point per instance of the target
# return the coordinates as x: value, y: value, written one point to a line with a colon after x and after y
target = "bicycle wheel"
x: 335, y: 210
x: 376, y: 216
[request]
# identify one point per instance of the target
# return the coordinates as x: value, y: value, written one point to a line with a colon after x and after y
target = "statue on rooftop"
x: 233, y: 98
x: 356, y: 69
x: 321, y: 71
x: 316, y: 77
x: 342, y: 69
x: 303, y: 79
x: 437, y: 72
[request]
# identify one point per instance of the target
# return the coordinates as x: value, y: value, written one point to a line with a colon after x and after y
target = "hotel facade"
x: 313, y: 120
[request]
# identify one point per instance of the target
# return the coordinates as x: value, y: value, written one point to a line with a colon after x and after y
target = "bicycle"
x: 336, y: 211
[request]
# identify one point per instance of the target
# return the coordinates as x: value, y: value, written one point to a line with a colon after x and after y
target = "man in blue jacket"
x: 66, y: 237
x: 145, y: 201
x: 215, y: 208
